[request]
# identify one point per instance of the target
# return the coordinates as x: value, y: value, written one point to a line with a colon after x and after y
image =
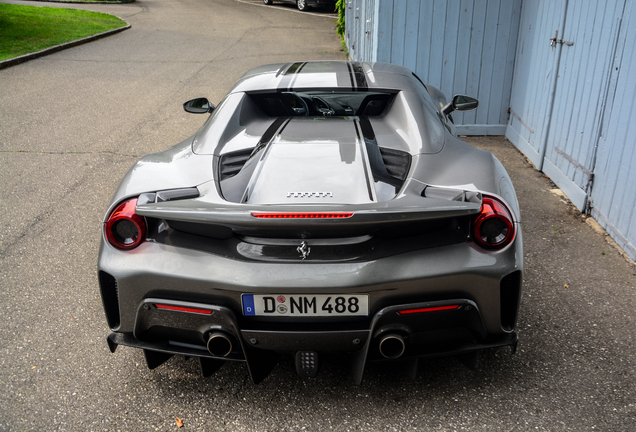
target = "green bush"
x: 340, y: 22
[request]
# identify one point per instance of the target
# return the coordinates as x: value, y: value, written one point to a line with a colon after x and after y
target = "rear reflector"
x: 431, y: 309
x: 184, y: 309
x: 302, y: 215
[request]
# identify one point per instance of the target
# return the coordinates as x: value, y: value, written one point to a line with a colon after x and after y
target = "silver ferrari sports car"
x: 322, y: 208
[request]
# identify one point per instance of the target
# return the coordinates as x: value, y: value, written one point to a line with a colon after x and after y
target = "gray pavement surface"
x: 72, y: 123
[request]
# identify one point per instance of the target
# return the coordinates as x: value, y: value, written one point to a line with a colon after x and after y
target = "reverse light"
x: 330, y: 215
x: 124, y: 228
x: 494, y: 227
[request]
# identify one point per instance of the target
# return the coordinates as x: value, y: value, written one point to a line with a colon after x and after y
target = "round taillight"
x: 124, y: 229
x: 494, y: 227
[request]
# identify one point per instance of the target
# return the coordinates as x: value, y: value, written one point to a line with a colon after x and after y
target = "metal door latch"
x: 555, y: 40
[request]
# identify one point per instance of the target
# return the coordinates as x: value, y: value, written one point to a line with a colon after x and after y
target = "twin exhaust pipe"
x: 391, y: 346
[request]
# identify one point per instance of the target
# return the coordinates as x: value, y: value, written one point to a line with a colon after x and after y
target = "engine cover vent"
x: 231, y: 163
x: 397, y: 162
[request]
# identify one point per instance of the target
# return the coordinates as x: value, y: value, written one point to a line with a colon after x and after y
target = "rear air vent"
x: 231, y: 163
x: 510, y: 288
x: 397, y: 162
x: 110, y: 298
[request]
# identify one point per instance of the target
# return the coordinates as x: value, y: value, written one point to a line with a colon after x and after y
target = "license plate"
x: 305, y: 305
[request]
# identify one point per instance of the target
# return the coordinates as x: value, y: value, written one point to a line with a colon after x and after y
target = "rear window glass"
x: 323, y: 103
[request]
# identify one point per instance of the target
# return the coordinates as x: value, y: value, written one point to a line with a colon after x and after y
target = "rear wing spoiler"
x: 191, y: 206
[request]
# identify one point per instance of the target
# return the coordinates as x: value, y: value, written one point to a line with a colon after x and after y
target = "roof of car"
x: 325, y: 74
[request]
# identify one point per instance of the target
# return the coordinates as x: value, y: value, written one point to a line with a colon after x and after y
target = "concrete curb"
x: 26, y: 57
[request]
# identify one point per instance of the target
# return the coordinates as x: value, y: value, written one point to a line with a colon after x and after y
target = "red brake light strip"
x: 431, y: 309
x: 302, y: 215
x: 184, y: 309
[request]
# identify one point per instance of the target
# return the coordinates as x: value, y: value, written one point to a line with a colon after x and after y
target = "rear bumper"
x: 456, y: 271
x: 485, y: 287
x: 447, y: 327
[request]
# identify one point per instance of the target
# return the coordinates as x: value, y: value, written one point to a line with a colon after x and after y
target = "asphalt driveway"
x: 71, y: 125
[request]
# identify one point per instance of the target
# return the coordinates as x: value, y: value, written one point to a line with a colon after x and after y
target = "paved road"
x: 71, y: 125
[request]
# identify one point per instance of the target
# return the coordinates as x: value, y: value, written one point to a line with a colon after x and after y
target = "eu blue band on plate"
x: 248, y: 304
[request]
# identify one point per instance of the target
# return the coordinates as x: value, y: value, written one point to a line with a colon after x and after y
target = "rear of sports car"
x: 313, y: 238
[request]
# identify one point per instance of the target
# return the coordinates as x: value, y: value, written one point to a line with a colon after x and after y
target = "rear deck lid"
x: 330, y: 167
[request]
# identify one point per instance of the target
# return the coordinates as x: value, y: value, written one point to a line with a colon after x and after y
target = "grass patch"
x: 26, y: 29
x: 90, y: 1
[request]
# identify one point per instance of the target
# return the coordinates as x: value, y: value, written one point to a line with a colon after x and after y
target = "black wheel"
x: 302, y: 5
x: 268, y: 2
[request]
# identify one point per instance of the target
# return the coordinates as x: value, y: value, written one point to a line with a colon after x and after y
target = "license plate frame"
x: 305, y: 305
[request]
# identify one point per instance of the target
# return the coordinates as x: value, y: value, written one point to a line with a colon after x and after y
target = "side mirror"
x: 460, y: 103
x: 198, y: 106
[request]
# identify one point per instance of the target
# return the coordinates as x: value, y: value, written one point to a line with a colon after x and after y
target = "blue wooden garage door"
x: 564, y: 60
x: 534, y: 77
x: 614, y: 188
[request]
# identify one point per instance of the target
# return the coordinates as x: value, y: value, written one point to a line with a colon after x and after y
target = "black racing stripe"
x: 361, y: 78
x: 268, y: 135
x: 367, y: 129
x: 296, y: 73
x: 288, y: 75
x: 300, y: 68
x: 353, y: 85
x: 278, y: 126
x: 234, y: 183
x: 294, y: 68
x: 364, y: 165
x: 283, y: 124
x: 272, y: 129
x: 282, y: 68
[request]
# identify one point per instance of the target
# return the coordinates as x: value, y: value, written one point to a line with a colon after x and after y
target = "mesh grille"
x: 510, y: 288
x: 110, y: 298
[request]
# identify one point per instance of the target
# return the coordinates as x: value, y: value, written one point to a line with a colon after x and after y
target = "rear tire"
x: 302, y: 5
x: 268, y: 2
